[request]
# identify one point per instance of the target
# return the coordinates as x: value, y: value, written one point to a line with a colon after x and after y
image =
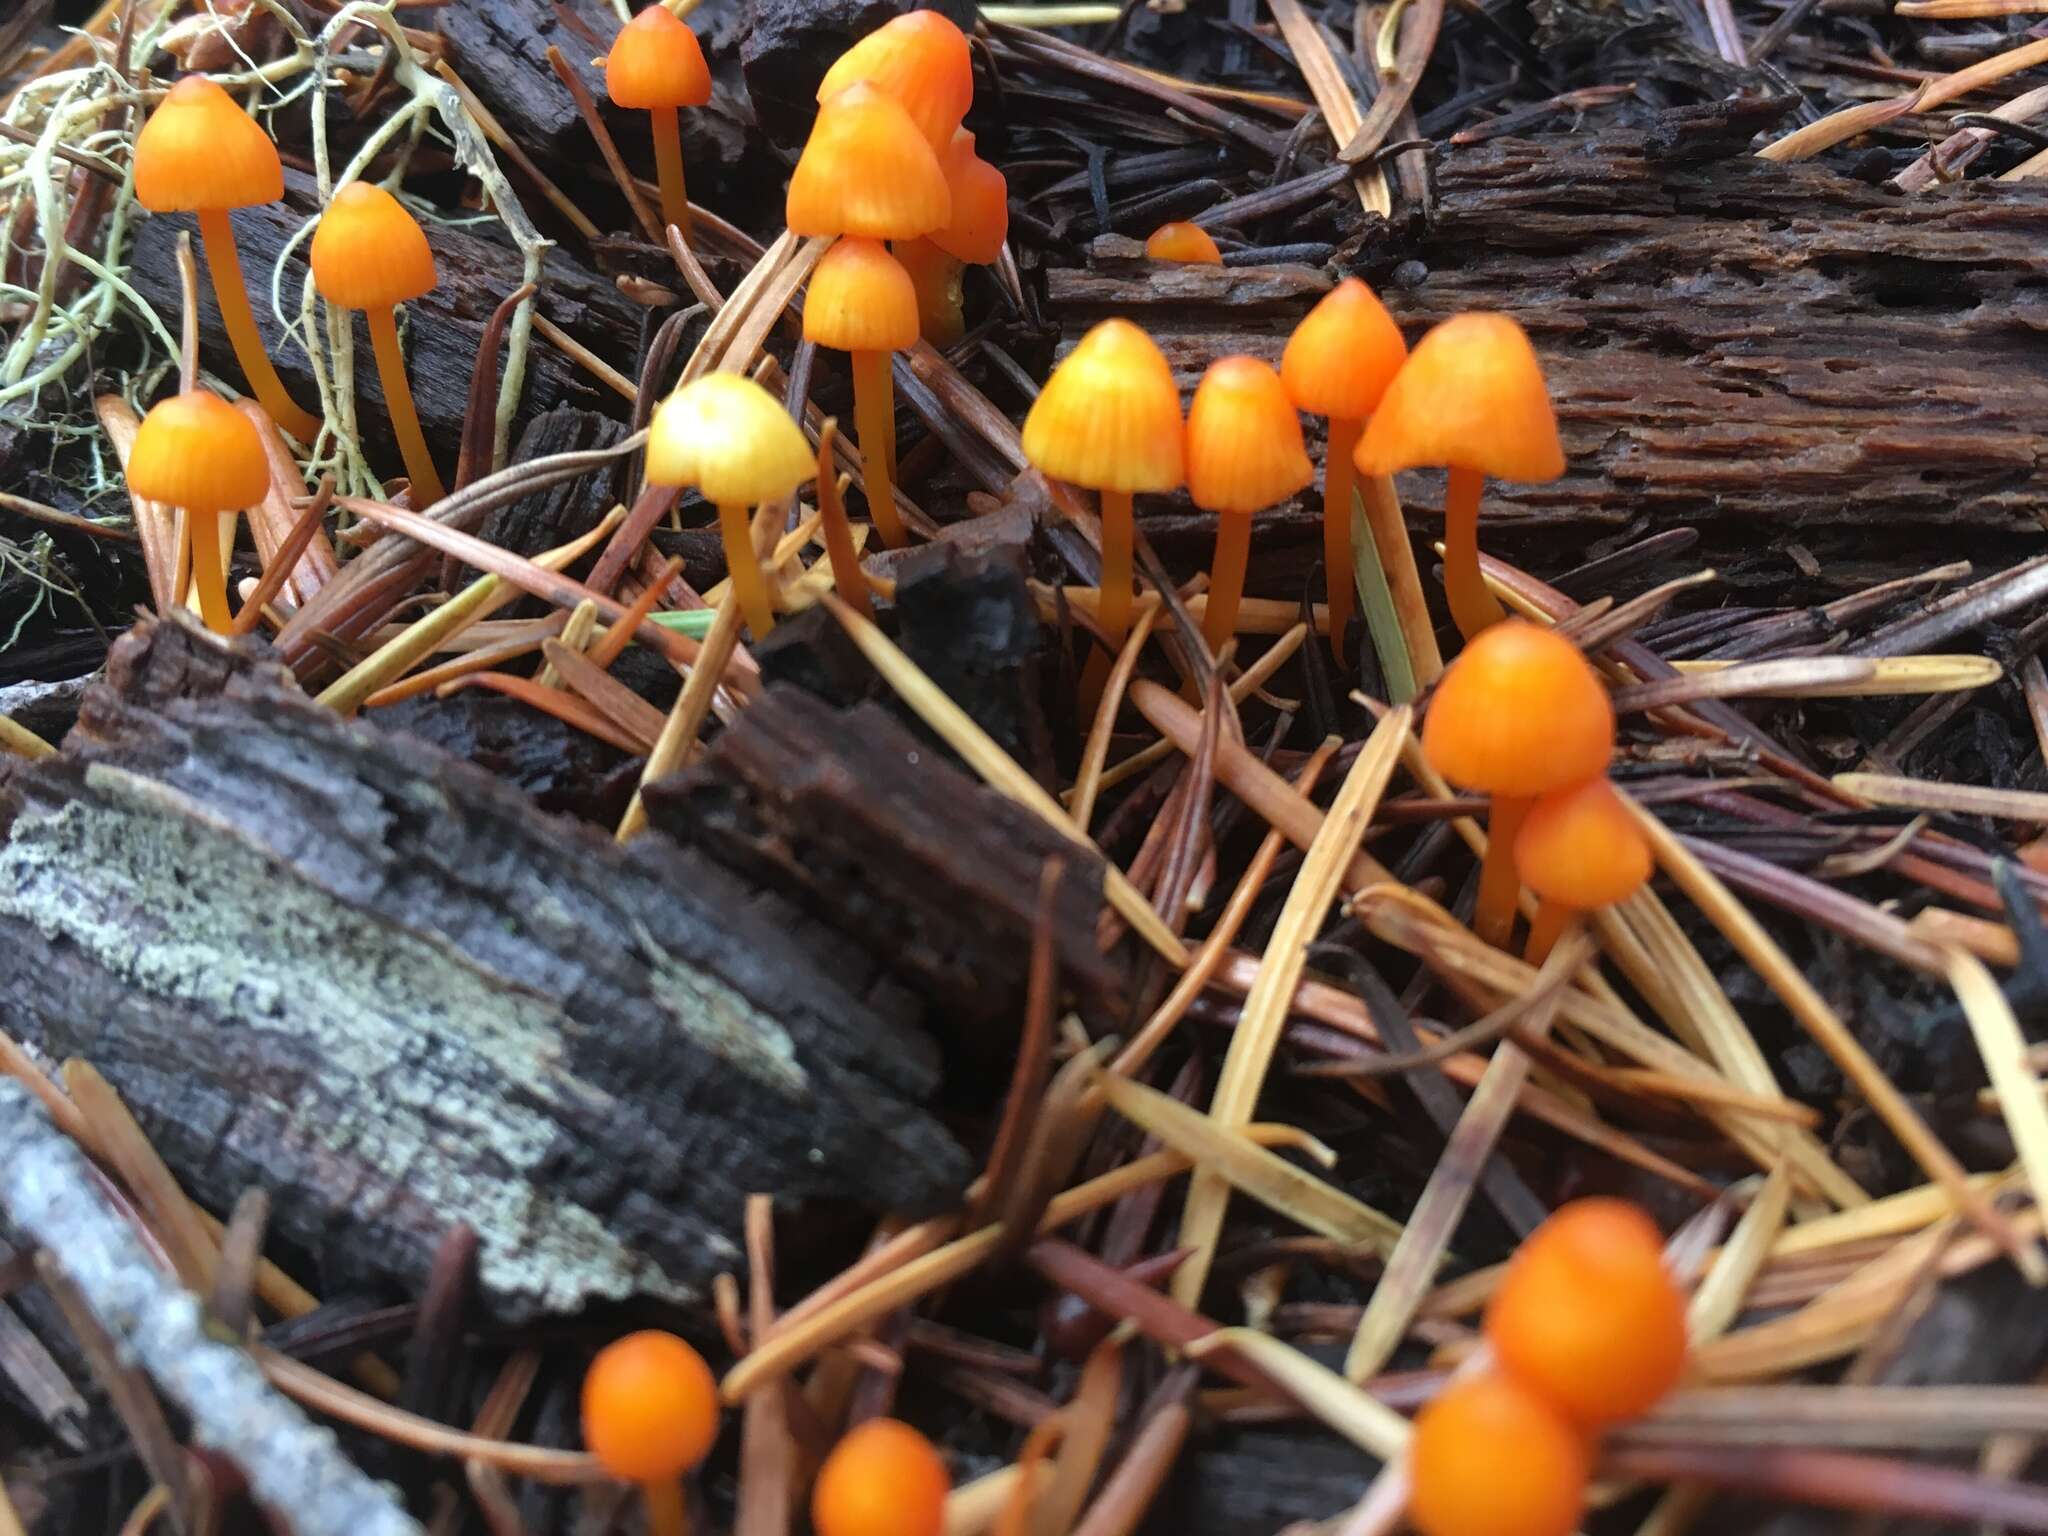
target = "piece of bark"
x: 334, y: 962
x: 787, y: 46
x: 567, y: 772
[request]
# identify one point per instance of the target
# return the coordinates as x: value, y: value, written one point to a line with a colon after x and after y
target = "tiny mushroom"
x: 733, y: 441
x: 1579, y: 850
x: 1188, y: 244
x: 650, y: 1414
x: 975, y: 233
x: 1244, y: 455
x: 655, y: 65
x: 1490, y: 1457
x: 200, y: 153
x: 922, y: 60
x: 199, y: 454
x: 883, y: 1478
x: 370, y: 254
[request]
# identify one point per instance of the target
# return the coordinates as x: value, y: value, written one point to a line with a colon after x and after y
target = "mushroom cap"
x: 1491, y: 1458
x: 860, y: 299
x: 1471, y: 396
x: 1520, y: 713
x: 883, y: 1478
x: 369, y: 252
x: 731, y: 439
x: 1109, y: 417
x: 1344, y: 354
x: 981, y: 204
x: 1244, y: 439
x: 198, y: 452
x: 650, y: 1407
x: 866, y: 170
x: 1189, y: 244
x: 656, y: 61
x: 1581, y: 848
x: 922, y: 60
x: 1587, y: 1315
x: 200, y: 150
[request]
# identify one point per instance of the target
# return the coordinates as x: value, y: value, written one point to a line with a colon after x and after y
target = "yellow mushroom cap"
x: 1244, y: 439
x: 867, y: 171
x: 198, y: 452
x: 369, y: 252
x: 860, y: 299
x: 1344, y: 354
x: 200, y: 150
x: 731, y: 439
x: 656, y: 61
x: 1470, y: 396
x: 1109, y: 417
x: 922, y: 60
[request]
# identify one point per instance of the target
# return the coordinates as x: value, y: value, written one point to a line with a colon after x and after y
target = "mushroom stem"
x: 847, y: 576
x: 209, y: 572
x: 405, y: 421
x: 874, y: 420
x: 1338, y: 479
x: 1553, y: 920
x: 1404, y: 582
x: 224, y: 266
x: 743, y: 568
x: 1494, y: 917
x: 668, y: 165
x: 1473, y: 606
x: 1118, y: 533
x: 664, y: 1500
x: 1226, y: 578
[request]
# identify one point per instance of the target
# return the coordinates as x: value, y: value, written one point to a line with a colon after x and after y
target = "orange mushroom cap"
x: 1244, y: 439
x: 1582, y: 849
x: 1183, y: 242
x: 200, y: 150
x: 1344, y: 354
x: 1491, y: 1458
x: 198, y: 452
x: 1519, y: 713
x: 369, y: 252
x: 981, y: 205
x: 650, y: 1407
x: 1587, y: 1314
x: 867, y: 171
x: 1109, y: 417
x: 656, y: 61
x: 922, y: 60
x: 860, y: 299
x: 883, y: 1478
x: 1471, y: 396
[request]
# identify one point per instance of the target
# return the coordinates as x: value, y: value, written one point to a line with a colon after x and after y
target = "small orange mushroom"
x: 883, y: 1478
x: 1471, y: 398
x: 370, y: 254
x: 200, y: 153
x: 650, y: 1414
x: 1579, y: 850
x: 1519, y: 714
x: 980, y: 223
x: 1244, y: 454
x: 199, y: 454
x: 1588, y: 1316
x: 923, y: 61
x: 656, y: 65
x: 1189, y: 244
x: 863, y: 303
x: 1490, y: 1457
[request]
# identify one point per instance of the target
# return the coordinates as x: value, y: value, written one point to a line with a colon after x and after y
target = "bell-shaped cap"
x: 1109, y: 417
x: 1581, y: 848
x: 656, y: 62
x: 981, y: 205
x: 1520, y: 712
x: 198, y: 452
x: 731, y: 439
x: 369, y: 252
x: 1189, y: 244
x: 860, y: 299
x: 1471, y: 396
x: 1244, y: 439
x: 1343, y: 355
x: 867, y: 171
x: 200, y: 150
x: 922, y: 60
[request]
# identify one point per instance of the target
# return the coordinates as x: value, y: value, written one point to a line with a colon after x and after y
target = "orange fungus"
x: 882, y: 1479
x: 1491, y: 1458
x: 650, y: 1407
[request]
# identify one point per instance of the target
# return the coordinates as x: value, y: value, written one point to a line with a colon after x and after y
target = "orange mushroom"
x: 1244, y: 454
x: 1471, y: 398
x: 1579, y: 850
x: 1189, y: 244
x: 1490, y: 1457
x: 650, y: 1414
x: 1109, y: 420
x: 370, y: 254
x: 863, y: 303
x: 199, y: 454
x: 655, y: 65
x: 200, y: 153
x: 1519, y: 714
x: 883, y: 1478
x: 975, y: 233
x: 923, y: 61
x: 1588, y: 1316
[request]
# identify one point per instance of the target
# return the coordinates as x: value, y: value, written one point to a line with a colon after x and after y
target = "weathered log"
x: 336, y: 963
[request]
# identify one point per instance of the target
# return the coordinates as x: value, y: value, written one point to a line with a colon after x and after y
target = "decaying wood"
x: 336, y: 963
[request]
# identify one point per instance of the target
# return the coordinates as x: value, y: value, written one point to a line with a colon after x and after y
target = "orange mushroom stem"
x: 1244, y: 454
x: 656, y: 65
x: 1579, y: 850
x: 650, y: 1414
x: 1188, y: 244
x: 883, y: 1478
x: 199, y: 454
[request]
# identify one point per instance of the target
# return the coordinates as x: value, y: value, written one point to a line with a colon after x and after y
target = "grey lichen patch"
x: 723, y: 1022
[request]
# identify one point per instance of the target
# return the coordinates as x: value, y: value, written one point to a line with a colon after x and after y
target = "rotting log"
x: 335, y: 962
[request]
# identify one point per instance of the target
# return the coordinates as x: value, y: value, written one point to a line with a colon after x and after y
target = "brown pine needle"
x: 1088, y: 782
x: 678, y: 738
x: 1955, y: 799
